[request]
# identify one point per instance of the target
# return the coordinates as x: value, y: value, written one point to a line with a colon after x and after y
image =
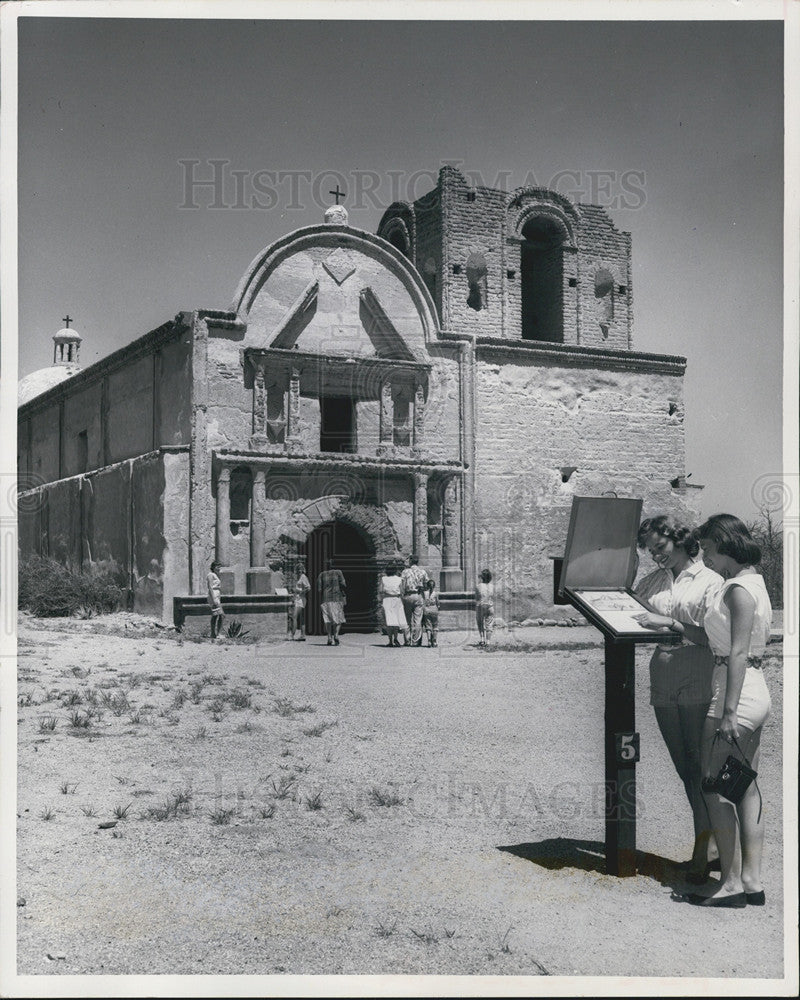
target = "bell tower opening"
x: 542, y: 274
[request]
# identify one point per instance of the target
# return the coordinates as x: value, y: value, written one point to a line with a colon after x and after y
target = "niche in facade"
x: 542, y: 277
x: 477, y: 281
x: 604, y: 293
x: 241, y: 493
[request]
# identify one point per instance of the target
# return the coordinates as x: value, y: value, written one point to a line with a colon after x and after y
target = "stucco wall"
x: 82, y: 414
x: 44, y: 458
x: 129, y: 520
x: 175, y: 392
x: 130, y: 412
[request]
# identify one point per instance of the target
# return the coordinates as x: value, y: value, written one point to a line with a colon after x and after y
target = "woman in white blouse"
x: 680, y: 591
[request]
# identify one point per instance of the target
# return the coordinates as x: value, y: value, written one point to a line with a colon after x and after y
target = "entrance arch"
x: 353, y: 553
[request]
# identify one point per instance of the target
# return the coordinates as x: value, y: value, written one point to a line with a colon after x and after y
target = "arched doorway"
x: 354, y: 554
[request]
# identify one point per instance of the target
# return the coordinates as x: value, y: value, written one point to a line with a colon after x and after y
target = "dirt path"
x: 291, y: 808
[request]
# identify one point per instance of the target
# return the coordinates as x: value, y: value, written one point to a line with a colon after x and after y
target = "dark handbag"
x: 734, y: 778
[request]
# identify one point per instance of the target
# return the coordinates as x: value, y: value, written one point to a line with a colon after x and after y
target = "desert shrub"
x: 49, y: 590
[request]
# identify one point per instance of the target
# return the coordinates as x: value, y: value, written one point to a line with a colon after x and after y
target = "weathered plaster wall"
x: 130, y: 412
x: 539, y: 419
x: 113, y: 521
x: 175, y: 561
x: 174, y: 399
x: 82, y: 414
x: 44, y: 460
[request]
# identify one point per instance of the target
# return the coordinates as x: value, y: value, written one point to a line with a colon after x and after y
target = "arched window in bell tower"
x: 399, y: 241
x: 542, y: 278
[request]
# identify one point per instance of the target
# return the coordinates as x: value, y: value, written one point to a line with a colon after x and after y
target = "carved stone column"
x: 419, y: 418
x: 258, y: 575
x: 452, y: 576
x: 293, y: 442
x: 386, y: 443
x: 421, y: 517
x: 225, y: 574
x: 259, y: 405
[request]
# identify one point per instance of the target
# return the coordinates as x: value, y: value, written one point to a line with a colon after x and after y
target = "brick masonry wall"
x: 535, y: 420
x: 603, y: 246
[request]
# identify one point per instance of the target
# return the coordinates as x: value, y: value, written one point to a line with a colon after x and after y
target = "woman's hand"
x: 656, y: 623
x: 728, y: 728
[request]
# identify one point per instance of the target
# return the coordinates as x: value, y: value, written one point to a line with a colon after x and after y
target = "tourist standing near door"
x: 414, y: 578
x: 332, y: 589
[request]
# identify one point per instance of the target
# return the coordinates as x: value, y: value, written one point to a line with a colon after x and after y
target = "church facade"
x: 443, y: 387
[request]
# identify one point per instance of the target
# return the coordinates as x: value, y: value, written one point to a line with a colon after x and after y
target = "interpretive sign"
x: 599, y: 567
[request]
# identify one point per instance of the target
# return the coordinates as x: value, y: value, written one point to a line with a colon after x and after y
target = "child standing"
x: 430, y: 613
x: 484, y: 607
x: 215, y: 600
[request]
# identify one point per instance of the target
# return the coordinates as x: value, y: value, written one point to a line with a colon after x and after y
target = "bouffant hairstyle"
x: 731, y: 538
x: 486, y: 576
x: 679, y: 534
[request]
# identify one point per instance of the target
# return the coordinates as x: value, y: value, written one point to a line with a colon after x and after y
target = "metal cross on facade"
x: 67, y: 320
x: 337, y: 193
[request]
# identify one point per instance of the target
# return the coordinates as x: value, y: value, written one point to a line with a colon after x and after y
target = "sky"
x: 675, y: 127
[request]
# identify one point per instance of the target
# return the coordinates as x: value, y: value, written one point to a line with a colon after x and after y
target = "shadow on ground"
x: 590, y: 856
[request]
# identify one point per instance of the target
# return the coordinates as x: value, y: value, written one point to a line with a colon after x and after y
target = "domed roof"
x: 35, y: 383
x: 67, y: 335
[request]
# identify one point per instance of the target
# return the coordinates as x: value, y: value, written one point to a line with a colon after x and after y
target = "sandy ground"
x: 292, y: 808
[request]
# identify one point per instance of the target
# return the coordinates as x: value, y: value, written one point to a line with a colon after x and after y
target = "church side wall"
x: 44, y: 455
x: 129, y: 520
x: 130, y: 412
x: 174, y: 400
x: 82, y: 415
x: 538, y: 421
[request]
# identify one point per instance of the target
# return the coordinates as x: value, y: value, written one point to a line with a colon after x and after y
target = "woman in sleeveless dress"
x: 738, y: 626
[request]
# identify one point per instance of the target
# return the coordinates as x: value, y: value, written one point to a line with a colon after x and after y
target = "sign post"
x: 596, y: 578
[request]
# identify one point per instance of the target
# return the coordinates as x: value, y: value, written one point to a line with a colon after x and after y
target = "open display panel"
x: 600, y: 565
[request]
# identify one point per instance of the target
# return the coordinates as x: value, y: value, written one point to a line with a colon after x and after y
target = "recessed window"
x: 241, y: 493
x: 337, y: 424
x: 83, y: 451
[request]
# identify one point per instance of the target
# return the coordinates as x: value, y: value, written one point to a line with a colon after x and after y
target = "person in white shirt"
x: 738, y: 625
x: 681, y: 589
x: 301, y: 589
x: 215, y: 600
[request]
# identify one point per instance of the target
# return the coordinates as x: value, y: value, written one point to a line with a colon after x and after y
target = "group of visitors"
x: 708, y: 692
x: 410, y: 604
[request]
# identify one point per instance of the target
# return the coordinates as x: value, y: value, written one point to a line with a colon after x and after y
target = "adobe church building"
x: 443, y: 388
